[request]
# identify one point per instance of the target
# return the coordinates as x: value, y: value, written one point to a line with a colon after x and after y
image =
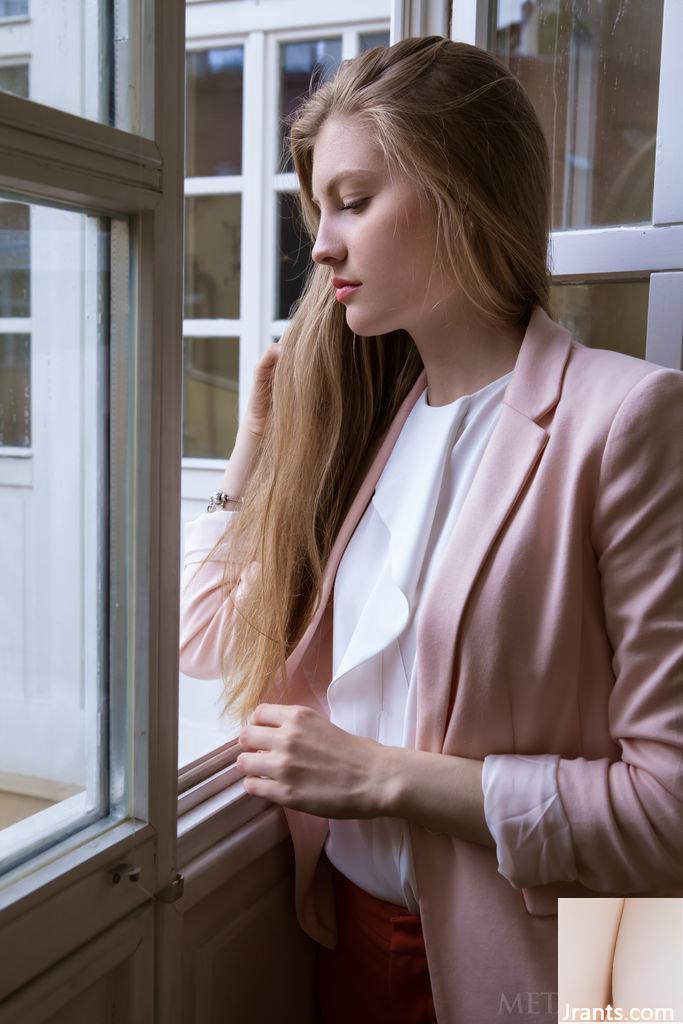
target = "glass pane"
x: 302, y: 63
x: 14, y: 79
x: 213, y: 122
x: 368, y: 40
x: 605, y: 314
x: 13, y: 8
x: 15, y: 394
x: 592, y: 72
x: 294, y: 254
x: 210, y: 397
x: 15, y: 260
x: 54, y: 510
x: 83, y: 57
x: 212, y: 256
x: 201, y: 729
x: 210, y: 421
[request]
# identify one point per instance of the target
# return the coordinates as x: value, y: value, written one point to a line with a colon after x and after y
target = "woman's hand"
x: 312, y: 765
x: 261, y: 396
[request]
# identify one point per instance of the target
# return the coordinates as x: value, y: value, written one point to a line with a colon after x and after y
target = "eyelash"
x: 355, y: 206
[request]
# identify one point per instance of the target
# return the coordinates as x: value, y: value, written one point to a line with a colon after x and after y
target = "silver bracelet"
x: 219, y: 500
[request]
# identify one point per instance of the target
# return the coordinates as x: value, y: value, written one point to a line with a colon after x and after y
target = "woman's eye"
x: 354, y: 206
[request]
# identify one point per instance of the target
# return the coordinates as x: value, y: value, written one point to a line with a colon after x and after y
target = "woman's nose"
x: 327, y: 249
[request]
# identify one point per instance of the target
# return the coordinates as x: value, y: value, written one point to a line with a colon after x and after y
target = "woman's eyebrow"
x: 361, y: 171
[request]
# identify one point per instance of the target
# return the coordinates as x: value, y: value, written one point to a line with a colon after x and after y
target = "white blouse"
x: 384, y: 572
x: 379, y: 587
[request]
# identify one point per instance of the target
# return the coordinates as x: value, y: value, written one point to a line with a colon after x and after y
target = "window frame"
x: 55, y: 157
x: 623, y: 252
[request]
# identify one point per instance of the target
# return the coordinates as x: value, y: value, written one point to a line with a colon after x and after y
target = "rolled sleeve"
x: 525, y: 816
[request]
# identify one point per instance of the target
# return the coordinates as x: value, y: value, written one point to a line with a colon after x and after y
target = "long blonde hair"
x: 454, y: 120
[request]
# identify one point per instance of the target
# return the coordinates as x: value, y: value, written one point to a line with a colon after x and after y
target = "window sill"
x: 212, y: 812
x: 16, y: 468
x: 197, y: 779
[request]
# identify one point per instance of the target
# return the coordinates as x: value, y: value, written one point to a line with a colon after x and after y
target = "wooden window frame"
x: 53, y: 157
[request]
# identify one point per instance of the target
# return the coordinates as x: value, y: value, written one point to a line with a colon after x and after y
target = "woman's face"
x: 386, y: 243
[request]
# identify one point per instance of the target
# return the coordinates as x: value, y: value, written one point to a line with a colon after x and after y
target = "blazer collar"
x: 513, y: 448
x: 536, y: 382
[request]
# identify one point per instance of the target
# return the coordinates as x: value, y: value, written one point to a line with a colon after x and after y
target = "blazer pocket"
x: 541, y: 900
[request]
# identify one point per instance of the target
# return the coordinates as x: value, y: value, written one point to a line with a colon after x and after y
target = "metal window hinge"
x: 173, y: 891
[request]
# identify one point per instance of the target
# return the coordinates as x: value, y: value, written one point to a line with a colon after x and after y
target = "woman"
x: 445, y: 594
x: 621, y: 953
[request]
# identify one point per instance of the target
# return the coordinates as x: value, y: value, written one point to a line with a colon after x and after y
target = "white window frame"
x: 218, y: 185
x: 629, y: 251
x: 51, y: 156
x: 256, y: 29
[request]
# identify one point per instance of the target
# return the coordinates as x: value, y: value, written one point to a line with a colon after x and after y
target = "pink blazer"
x: 554, y: 625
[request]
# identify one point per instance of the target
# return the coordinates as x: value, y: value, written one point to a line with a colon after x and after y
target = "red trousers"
x: 378, y: 973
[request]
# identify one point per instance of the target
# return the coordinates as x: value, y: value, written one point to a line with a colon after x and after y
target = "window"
x: 592, y: 72
x: 89, y: 248
x: 15, y: 390
x: 605, y: 314
x: 244, y: 254
x: 53, y: 658
x: 90, y: 352
x: 213, y: 120
x: 15, y: 335
x: 14, y: 79
x: 604, y: 81
x: 210, y: 395
x: 13, y: 8
x: 302, y: 62
x: 213, y: 250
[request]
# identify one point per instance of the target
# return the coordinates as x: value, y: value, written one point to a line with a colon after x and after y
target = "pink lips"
x: 341, y: 293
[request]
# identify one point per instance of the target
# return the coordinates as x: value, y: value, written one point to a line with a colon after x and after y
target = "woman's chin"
x: 367, y: 326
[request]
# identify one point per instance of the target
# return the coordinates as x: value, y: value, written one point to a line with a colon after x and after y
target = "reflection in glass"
x: 15, y: 259
x: 210, y: 397
x: 302, y: 64
x: 213, y: 121
x: 13, y: 8
x: 605, y: 314
x: 70, y: 49
x: 592, y: 72
x: 14, y: 79
x: 368, y: 40
x: 15, y: 395
x: 212, y: 256
x: 55, y: 513
x: 294, y: 254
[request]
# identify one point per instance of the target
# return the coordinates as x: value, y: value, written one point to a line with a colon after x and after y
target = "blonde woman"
x: 444, y: 593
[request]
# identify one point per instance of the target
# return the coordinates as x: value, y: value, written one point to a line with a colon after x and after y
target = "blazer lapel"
x: 510, y: 455
x: 513, y: 450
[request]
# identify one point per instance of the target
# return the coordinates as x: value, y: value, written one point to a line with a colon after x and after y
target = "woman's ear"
x: 586, y: 937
